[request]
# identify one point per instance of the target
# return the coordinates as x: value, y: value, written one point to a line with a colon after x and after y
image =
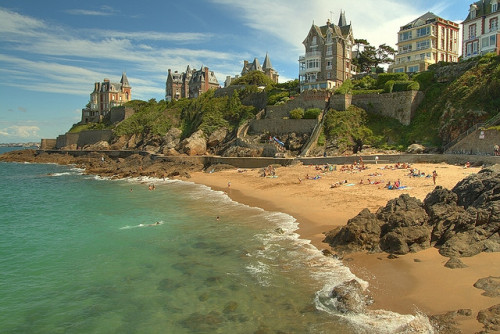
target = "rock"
x: 361, y: 233
x: 172, y: 138
x: 217, y: 137
x: 415, y: 149
x: 230, y: 307
x: 490, y: 318
x: 196, y: 144
x: 447, y: 322
x: 349, y: 297
x: 455, y: 263
x: 490, y: 285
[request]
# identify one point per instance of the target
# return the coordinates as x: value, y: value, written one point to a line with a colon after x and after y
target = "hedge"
x: 384, y: 77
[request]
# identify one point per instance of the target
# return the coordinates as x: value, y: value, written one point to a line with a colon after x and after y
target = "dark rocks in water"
x: 350, y: 297
x: 230, y: 307
x: 490, y: 285
x: 203, y: 323
x: 460, y: 222
x: 455, y: 263
x: 168, y: 284
x: 490, y: 318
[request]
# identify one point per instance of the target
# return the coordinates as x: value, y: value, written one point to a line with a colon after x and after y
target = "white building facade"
x: 480, y: 33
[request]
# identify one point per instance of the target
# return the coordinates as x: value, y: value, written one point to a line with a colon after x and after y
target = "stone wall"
x: 121, y: 113
x: 306, y: 100
x: 479, y: 142
x: 400, y: 105
x: 281, y: 126
x: 83, y: 138
x: 48, y: 144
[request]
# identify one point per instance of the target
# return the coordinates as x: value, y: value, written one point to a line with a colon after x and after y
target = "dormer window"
x: 473, y: 11
x: 314, y: 40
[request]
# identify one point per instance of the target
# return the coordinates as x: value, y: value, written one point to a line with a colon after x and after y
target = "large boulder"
x: 172, y: 138
x: 196, y: 144
x: 349, y: 297
x: 217, y: 137
x: 415, y: 149
x: 490, y: 318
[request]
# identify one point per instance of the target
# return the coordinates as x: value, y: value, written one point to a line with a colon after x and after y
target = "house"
x: 266, y: 68
x: 480, y: 33
x: 425, y: 41
x: 189, y: 84
x: 105, y: 96
x: 328, y: 54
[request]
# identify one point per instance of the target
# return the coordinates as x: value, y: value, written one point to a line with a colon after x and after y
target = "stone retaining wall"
x: 281, y: 126
x: 306, y: 100
x: 83, y: 138
x: 479, y: 142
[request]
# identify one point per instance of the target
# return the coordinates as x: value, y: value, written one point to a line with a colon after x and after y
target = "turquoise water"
x: 78, y: 256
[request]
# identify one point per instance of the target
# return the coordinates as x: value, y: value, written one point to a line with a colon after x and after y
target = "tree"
x: 372, y: 57
x: 383, y: 55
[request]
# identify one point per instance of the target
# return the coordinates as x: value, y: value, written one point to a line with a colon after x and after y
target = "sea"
x: 85, y: 254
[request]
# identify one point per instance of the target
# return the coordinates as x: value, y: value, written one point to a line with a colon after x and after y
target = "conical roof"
x: 124, y: 80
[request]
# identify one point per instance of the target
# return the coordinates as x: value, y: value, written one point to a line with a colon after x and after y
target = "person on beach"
x: 218, y: 218
x: 229, y: 184
x: 434, y: 176
x: 496, y: 149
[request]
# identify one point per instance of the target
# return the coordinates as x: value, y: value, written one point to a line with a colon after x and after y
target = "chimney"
x: 206, y: 79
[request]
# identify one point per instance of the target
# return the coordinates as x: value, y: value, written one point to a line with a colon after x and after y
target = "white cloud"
x: 20, y: 131
x: 104, y: 11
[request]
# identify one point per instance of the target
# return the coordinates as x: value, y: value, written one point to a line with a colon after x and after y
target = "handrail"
x: 491, y: 121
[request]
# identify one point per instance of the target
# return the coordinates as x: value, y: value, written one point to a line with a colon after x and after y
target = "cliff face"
x: 462, y: 222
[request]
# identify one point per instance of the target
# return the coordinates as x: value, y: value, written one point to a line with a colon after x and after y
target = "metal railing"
x: 492, y: 121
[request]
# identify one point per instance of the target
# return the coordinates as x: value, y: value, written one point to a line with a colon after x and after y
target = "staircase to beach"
x: 462, y: 144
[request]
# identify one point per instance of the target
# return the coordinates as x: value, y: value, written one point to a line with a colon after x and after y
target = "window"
x: 494, y: 7
x: 494, y: 24
x: 490, y: 41
x: 423, y: 31
x: 329, y: 50
x: 423, y: 45
x: 313, y: 63
x: 472, y: 31
x: 474, y: 47
x: 414, y: 68
x: 422, y: 56
x: 329, y: 64
x: 469, y: 49
x: 404, y: 36
x: 314, y: 40
x: 399, y: 70
x: 405, y: 48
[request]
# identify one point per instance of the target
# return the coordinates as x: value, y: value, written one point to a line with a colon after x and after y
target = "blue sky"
x: 52, y: 52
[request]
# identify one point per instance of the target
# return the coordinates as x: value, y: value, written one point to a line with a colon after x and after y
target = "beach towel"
x: 349, y: 184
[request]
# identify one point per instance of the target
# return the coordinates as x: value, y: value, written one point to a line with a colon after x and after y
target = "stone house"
x: 480, y: 33
x: 189, y: 84
x: 328, y: 56
x: 424, y: 41
x: 266, y: 68
x: 105, y: 96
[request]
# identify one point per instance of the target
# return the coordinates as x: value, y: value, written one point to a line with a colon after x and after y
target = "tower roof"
x: 124, y: 80
x: 267, y: 63
x: 342, y: 20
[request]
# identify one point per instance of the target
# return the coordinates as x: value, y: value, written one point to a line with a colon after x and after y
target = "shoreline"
x: 410, y: 284
x: 415, y: 282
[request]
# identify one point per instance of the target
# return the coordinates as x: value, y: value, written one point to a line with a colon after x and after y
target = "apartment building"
x: 480, y: 33
x: 424, y: 41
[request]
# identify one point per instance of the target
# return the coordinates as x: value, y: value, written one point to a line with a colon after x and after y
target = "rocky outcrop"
x: 415, y: 149
x: 349, y: 297
x: 196, y: 144
x: 490, y: 318
x: 462, y: 222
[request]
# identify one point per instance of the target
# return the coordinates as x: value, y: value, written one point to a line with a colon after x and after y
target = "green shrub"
x: 388, y: 86
x: 312, y: 113
x: 345, y: 88
x: 403, y: 86
x: 424, y: 79
x: 367, y: 82
x: 367, y: 91
x: 297, y: 113
x: 384, y: 77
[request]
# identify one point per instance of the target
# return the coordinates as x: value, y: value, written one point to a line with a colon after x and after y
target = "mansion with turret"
x: 266, y: 68
x: 189, y: 84
x: 327, y: 61
x: 105, y: 96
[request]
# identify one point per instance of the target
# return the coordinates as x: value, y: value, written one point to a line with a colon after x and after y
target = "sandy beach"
x: 411, y: 283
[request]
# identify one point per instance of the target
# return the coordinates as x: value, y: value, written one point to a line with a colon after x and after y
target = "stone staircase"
x: 449, y: 148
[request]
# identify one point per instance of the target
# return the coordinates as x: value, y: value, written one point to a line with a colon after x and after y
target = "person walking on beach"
x: 434, y: 176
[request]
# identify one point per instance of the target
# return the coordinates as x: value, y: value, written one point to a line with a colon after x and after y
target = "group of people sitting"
x: 268, y: 171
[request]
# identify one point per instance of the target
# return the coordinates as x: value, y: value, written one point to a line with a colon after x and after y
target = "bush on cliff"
x: 149, y: 118
x: 312, y: 113
x: 297, y: 113
x: 346, y: 129
x: 382, y: 78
